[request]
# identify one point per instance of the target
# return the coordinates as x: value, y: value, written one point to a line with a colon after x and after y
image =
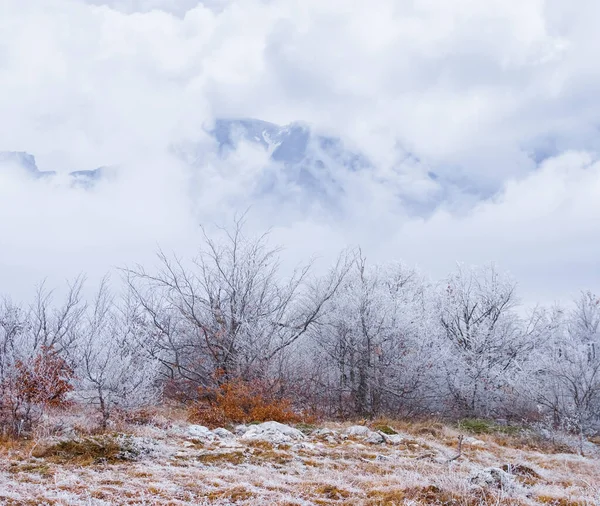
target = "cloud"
x: 498, y: 99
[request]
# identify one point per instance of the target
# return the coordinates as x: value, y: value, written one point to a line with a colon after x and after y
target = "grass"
x: 222, y: 458
x: 91, y: 450
x: 479, y: 426
x: 336, y: 472
x: 306, y: 428
x: 385, y: 429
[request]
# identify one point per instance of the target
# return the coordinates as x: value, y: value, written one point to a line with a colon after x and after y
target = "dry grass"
x: 92, y: 470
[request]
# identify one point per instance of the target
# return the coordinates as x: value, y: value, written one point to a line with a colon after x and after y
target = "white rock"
x: 375, y: 438
x: 394, y: 439
x: 222, y: 433
x: 200, y: 432
x: 492, y: 477
x: 303, y: 446
x: 240, y: 429
x: 358, y: 430
x: 322, y: 432
x: 273, y: 432
x: 474, y: 442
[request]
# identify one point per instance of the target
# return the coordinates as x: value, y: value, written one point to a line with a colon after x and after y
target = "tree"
x: 35, y: 342
x: 111, y: 373
x: 568, y: 369
x: 371, y: 340
x: 229, y: 313
x: 485, y: 339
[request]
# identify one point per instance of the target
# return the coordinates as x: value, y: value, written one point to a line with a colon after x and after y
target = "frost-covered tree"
x: 374, y: 340
x: 230, y: 312
x: 35, y: 372
x: 486, y: 341
x: 111, y: 371
x: 568, y: 368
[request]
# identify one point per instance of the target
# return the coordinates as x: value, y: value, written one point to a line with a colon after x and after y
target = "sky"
x: 499, y: 98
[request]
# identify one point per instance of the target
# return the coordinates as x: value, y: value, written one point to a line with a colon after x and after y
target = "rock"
x: 394, y: 439
x: 358, y: 430
x: 492, y: 477
x: 223, y: 433
x: 322, y: 432
x: 273, y: 432
x: 239, y: 430
x: 375, y: 438
x: 474, y: 442
x: 520, y: 470
x: 303, y: 446
x: 200, y: 432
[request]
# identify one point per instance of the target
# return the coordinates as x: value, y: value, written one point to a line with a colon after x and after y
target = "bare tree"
x: 229, y: 311
x: 34, y: 344
x: 111, y: 373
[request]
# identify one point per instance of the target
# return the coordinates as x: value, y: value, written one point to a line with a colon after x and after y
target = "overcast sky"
x: 502, y: 95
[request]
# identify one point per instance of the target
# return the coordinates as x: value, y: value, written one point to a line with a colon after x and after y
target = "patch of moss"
x: 386, y: 429
x: 480, y: 426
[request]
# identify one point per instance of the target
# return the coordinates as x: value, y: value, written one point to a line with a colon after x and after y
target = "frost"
x: 492, y: 477
x: 254, y: 468
x: 200, y: 432
x: 273, y: 432
x: 375, y: 438
x: 357, y: 430
x: 222, y: 433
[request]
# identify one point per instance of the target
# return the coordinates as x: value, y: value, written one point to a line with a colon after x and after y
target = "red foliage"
x: 32, y: 386
x: 44, y: 380
x: 239, y: 401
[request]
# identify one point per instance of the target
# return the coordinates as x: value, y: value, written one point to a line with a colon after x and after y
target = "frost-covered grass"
x: 334, y: 464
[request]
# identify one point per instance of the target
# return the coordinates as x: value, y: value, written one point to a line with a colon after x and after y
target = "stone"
x: 273, y: 432
x: 358, y: 430
x: 200, y: 432
x: 492, y: 477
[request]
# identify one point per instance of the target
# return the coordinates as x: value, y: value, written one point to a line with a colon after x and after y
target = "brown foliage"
x: 32, y: 386
x: 239, y: 401
x: 45, y: 380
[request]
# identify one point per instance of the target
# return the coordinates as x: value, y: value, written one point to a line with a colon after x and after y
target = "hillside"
x: 165, y: 462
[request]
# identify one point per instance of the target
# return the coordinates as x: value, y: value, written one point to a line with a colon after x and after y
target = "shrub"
x: 32, y: 386
x: 239, y: 401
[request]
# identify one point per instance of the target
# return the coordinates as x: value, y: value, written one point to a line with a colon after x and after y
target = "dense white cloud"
x: 477, y: 92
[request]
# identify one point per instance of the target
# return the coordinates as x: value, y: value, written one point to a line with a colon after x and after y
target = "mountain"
x: 22, y: 161
x: 25, y: 163
x: 289, y: 165
x: 298, y: 162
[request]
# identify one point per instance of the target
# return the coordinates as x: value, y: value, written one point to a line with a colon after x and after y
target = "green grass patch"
x: 480, y: 426
x: 386, y: 429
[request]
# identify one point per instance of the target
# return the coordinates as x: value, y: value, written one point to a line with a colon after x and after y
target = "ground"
x: 178, y: 463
